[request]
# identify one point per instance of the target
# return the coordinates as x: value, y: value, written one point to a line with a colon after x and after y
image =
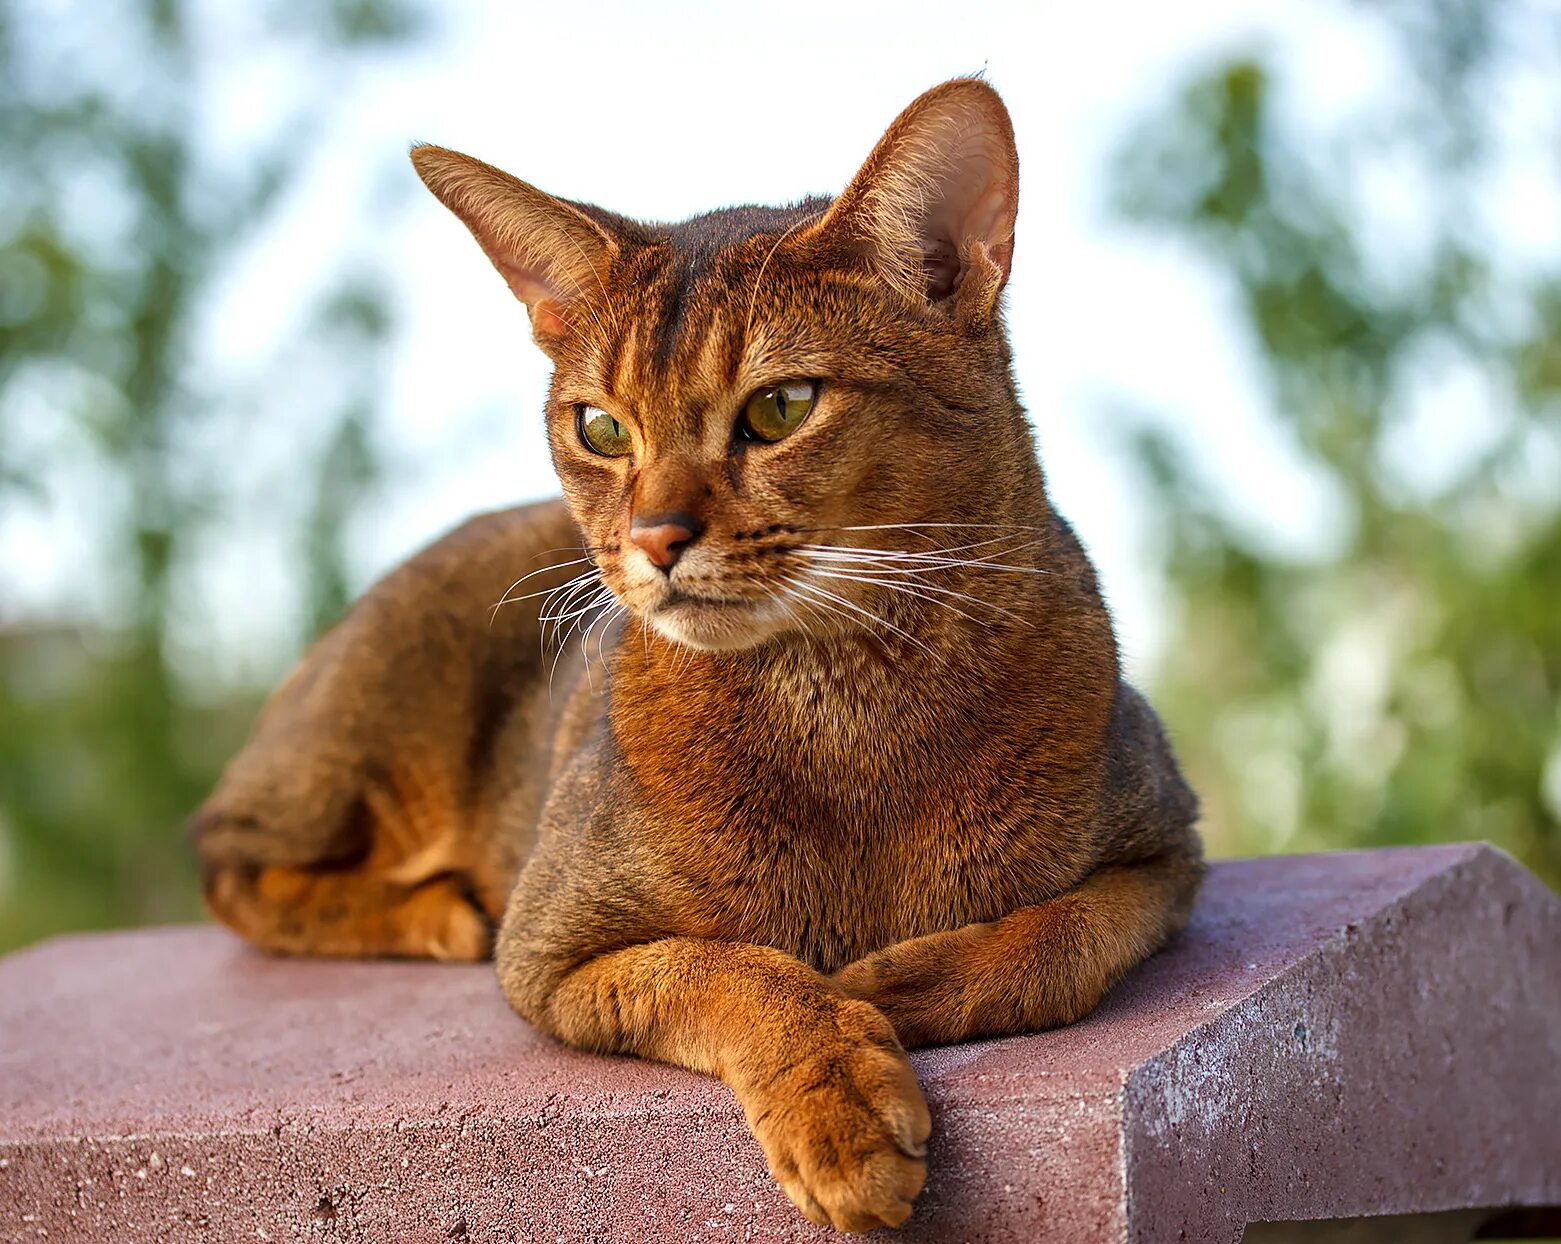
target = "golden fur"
x: 858, y: 773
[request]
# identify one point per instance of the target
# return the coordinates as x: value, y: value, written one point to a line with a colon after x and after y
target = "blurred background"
x: 1286, y: 308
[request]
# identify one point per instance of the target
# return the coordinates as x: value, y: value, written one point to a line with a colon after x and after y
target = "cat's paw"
x: 348, y: 912
x: 845, y: 1126
x: 441, y: 921
x: 955, y: 986
x: 920, y: 989
x: 899, y: 991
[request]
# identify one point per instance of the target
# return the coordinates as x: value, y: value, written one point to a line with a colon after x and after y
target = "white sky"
x: 663, y: 110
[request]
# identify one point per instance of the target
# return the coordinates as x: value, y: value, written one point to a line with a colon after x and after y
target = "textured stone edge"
x: 694, y: 1175
x: 1175, y: 1101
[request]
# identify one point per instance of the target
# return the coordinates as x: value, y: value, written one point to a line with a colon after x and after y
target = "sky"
x: 660, y: 111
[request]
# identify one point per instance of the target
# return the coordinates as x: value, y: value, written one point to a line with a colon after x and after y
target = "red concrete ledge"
x: 1336, y: 1035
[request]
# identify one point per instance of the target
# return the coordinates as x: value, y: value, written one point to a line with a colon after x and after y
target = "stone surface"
x: 1336, y: 1035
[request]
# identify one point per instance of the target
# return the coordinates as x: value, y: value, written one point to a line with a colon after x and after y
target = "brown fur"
x: 765, y: 836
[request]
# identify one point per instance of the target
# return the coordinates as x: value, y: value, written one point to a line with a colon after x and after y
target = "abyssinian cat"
x: 845, y: 764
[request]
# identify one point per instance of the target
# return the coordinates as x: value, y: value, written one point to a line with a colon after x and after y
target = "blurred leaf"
x: 115, y: 228
x: 1405, y: 687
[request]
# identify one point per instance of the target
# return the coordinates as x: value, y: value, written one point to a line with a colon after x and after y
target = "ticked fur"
x: 858, y: 772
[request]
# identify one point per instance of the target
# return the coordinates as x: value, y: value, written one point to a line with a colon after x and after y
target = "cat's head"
x: 744, y: 404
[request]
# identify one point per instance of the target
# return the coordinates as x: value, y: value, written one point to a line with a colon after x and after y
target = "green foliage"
x: 1400, y: 685
x: 115, y: 228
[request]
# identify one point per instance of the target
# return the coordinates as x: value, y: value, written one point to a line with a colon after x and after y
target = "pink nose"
x: 665, y: 536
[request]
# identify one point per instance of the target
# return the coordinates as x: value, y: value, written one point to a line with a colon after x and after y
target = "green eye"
x: 778, y: 410
x: 602, y: 433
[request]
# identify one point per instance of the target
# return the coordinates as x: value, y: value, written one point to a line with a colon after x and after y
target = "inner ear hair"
x: 934, y: 206
x: 548, y: 251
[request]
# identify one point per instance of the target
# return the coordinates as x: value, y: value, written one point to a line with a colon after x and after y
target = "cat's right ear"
x: 932, y: 210
x: 549, y: 252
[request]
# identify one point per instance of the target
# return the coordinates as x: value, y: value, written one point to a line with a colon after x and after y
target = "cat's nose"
x: 665, y: 536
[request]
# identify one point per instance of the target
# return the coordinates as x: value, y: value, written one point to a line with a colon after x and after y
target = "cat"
x: 844, y: 764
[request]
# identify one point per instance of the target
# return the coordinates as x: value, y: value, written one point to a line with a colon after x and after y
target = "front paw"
x: 920, y: 999
x: 845, y: 1126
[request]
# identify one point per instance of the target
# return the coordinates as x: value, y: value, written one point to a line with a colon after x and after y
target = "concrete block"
x: 1364, y: 1033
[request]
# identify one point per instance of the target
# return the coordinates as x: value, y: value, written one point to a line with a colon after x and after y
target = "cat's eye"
x: 601, y: 433
x: 778, y: 410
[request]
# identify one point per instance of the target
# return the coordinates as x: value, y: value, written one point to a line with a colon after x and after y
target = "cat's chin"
x: 720, y: 626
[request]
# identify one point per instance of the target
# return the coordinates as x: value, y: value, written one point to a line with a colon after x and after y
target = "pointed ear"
x: 551, y: 254
x: 933, y: 208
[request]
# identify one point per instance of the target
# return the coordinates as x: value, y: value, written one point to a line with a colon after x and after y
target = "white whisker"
x: 794, y: 591
x: 571, y: 595
x: 617, y: 611
x: 814, y: 588
x: 584, y: 577
x: 507, y: 599
x: 895, y: 562
x: 601, y: 599
x: 920, y: 590
x: 936, y: 550
x: 912, y: 526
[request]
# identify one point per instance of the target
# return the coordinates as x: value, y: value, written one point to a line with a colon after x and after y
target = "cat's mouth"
x: 676, y: 596
x: 714, y: 622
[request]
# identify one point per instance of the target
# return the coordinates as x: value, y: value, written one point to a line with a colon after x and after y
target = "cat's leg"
x: 824, y: 1085
x: 388, y: 793
x: 313, y: 911
x: 1040, y: 967
x: 286, y: 887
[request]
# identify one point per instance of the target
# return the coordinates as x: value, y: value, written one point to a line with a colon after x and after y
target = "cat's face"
x: 720, y: 429
x: 744, y: 404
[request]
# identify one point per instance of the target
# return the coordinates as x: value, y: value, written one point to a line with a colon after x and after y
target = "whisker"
x: 793, y: 616
x: 898, y: 587
x: 585, y: 576
x: 585, y: 302
x: 923, y: 531
x: 585, y: 640
x: 507, y: 599
x: 931, y: 560
x: 1000, y: 538
x: 575, y: 611
x: 570, y: 595
x: 795, y: 593
x: 936, y: 549
x: 603, y: 599
x: 559, y: 625
x: 889, y: 566
x: 572, y: 617
x: 920, y: 591
x: 1006, y: 535
x: 916, y: 526
x: 618, y: 610
x: 753, y: 294
x: 851, y: 616
x: 579, y: 599
x: 866, y: 613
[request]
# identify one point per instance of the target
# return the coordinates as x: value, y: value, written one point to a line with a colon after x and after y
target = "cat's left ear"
x: 551, y: 254
x: 933, y: 208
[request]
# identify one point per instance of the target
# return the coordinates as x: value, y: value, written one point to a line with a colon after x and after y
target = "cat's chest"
x: 839, y: 818
x: 830, y: 881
